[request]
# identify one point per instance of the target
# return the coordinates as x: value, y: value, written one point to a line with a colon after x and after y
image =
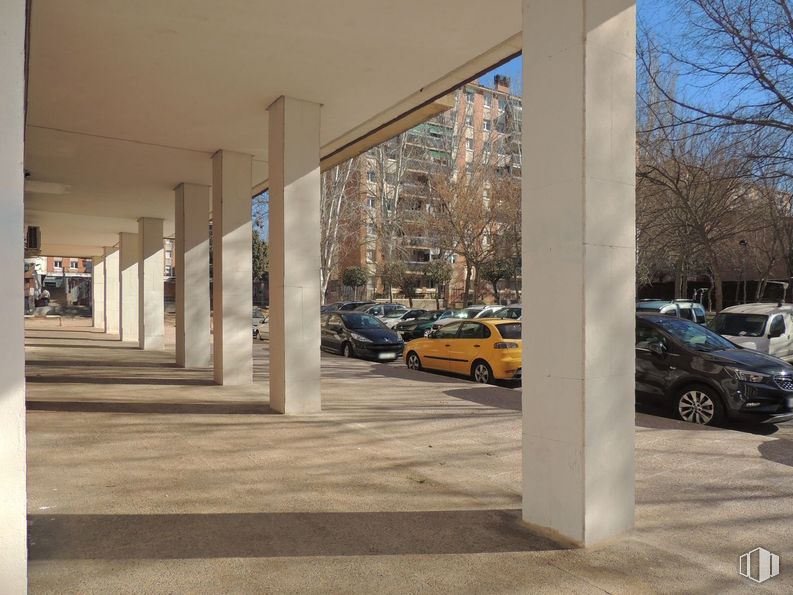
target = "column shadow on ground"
x: 56, y: 379
x: 225, y: 408
x: 275, y: 535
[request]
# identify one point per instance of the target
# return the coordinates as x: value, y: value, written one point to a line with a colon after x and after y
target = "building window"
x: 469, y: 120
x: 370, y: 256
x: 488, y: 99
x: 469, y: 144
x: 469, y: 96
x: 57, y: 263
x: 502, y: 103
x: 169, y: 254
x: 371, y: 200
x: 73, y: 264
x: 488, y: 124
x: 371, y: 176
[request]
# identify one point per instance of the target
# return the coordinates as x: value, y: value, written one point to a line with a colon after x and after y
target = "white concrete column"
x: 294, y: 256
x: 192, y: 275
x: 98, y: 291
x: 128, y: 286
x: 151, y: 298
x: 13, y: 524
x: 578, y: 251
x: 232, y: 277
x: 111, y: 273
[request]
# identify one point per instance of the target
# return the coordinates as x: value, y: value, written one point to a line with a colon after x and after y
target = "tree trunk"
x: 717, y: 297
x: 680, y: 280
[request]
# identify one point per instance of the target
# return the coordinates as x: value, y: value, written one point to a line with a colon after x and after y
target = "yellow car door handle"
x: 477, y: 345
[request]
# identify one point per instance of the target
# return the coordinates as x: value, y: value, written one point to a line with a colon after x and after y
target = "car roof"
x: 769, y: 308
x: 659, y: 318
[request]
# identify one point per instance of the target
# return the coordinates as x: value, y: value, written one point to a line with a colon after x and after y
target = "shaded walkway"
x: 407, y: 482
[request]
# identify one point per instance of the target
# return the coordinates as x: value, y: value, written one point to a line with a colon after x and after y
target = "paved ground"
x: 144, y: 478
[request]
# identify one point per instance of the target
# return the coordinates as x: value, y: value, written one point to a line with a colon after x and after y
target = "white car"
x: 767, y: 328
x: 394, y: 317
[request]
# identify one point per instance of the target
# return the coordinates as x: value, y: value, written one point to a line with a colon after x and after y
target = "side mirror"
x: 657, y: 348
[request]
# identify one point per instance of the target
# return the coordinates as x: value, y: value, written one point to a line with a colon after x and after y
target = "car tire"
x: 347, y: 350
x: 414, y: 361
x: 699, y: 404
x: 481, y: 372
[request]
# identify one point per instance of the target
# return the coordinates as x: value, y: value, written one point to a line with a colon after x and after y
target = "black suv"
x: 705, y: 377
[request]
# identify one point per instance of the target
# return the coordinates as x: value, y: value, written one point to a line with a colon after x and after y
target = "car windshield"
x: 396, y: 314
x: 740, y: 325
x: 361, y: 321
x: 509, y: 331
x: 694, y: 336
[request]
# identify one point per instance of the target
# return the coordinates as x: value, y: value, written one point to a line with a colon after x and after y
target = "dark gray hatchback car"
x: 705, y: 378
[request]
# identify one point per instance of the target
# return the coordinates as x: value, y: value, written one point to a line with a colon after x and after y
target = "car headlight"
x: 746, y: 375
x: 360, y: 338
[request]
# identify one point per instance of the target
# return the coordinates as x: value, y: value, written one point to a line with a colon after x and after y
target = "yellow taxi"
x: 484, y: 349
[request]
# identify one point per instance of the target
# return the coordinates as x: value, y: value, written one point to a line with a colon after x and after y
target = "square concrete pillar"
x: 128, y: 286
x: 151, y: 267
x: 578, y: 249
x: 192, y: 275
x: 98, y: 291
x: 112, y: 276
x: 232, y: 276
x: 294, y: 256
x: 13, y: 547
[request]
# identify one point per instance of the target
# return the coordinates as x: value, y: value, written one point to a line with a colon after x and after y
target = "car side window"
x: 645, y: 335
x: 777, y: 326
x: 448, y: 331
x: 471, y: 330
x: 335, y: 323
x: 699, y: 315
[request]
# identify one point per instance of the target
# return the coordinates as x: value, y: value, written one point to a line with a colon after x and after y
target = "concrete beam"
x: 128, y: 292
x: 232, y: 289
x: 151, y: 266
x: 294, y: 256
x: 192, y: 275
x: 579, y: 239
x: 13, y: 524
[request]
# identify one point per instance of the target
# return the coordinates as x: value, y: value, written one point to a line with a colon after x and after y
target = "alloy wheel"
x: 413, y: 362
x: 347, y: 350
x: 696, y: 406
x: 482, y: 373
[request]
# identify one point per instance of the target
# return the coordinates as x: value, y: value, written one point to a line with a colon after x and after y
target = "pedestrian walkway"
x: 146, y: 478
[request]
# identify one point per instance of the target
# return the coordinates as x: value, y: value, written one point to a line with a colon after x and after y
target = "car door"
x: 335, y: 332
x: 652, y: 371
x: 436, y: 352
x: 323, y: 325
x: 466, y: 347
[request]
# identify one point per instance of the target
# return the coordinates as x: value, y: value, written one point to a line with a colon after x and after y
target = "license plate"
x: 386, y: 355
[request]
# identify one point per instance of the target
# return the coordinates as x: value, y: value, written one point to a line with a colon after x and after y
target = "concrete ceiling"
x: 128, y: 99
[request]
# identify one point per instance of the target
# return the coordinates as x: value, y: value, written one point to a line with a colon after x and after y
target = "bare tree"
x: 340, y: 216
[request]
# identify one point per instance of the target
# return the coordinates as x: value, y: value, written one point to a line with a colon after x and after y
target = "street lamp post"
x: 744, y: 245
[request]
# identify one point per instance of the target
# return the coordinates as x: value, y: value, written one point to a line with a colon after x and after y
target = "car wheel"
x: 700, y: 405
x: 414, y: 363
x: 347, y: 350
x: 481, y: 372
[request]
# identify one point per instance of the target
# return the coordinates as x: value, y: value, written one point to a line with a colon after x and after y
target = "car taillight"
x: 505, y: 345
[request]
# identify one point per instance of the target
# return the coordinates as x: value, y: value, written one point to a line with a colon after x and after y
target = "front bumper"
x: 760, y: 402
x: 379, y: 352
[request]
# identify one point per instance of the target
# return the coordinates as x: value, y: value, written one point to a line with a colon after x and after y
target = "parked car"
x: 397, y: 316
x: 355, y: 334
x: 688, y: 309
x: 489, y: 311
x: 381, y: 310
x: 763, y: 327
x: 413, y: 329
x: 705, y: 378
x: 336, y: 306
x: 511, y: 312
x: 456, y: 314
x: 257, y: 317
x: 486, y: 350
